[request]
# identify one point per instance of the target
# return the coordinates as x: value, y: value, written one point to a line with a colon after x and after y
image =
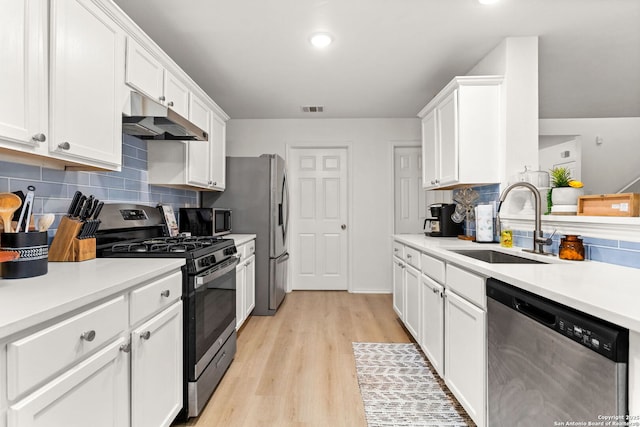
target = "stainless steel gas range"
x: 209, y: 290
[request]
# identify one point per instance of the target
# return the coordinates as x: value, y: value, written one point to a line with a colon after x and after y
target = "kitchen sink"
x: 495, y: 257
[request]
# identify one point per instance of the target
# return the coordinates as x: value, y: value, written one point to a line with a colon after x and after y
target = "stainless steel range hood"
x: 148, y: 119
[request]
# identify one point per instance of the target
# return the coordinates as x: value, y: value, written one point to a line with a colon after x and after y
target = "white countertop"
x: 607, y: 291
x: 70, y: 285
x: 240, y: 239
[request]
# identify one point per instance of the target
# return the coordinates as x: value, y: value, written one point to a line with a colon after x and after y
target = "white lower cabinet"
x: 98, y: 367
x: 245, y: 282
x: 432, y: 322
x: 398, y: 287
x: 444, y: 307
x: 412, y: 300
x: 92, y: 393
x: 156, y: 369
x: 465, y: 350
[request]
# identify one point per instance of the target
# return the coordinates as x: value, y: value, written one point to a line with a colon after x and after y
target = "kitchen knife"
x: 94, y: 206
x: 78, y: 208
x: 84, y: 212
x: 74, y: 203
x: 96, y: 212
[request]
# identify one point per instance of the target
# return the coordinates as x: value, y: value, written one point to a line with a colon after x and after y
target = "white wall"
x: 372, y: 184
x: 607, y: 167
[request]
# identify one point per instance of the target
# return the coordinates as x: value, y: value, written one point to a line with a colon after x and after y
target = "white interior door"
x: 319, y: 218
x: 409, y: 206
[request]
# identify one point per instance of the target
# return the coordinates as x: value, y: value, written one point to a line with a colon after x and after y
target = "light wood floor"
x: 297, y: 368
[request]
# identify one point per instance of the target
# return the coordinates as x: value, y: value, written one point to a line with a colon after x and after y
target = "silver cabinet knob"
x: 88, y: 336
x: 395, y: 249
x: 435, y: 291
x: 170, y: 103
x: 215, y: 183
x: 343, y: 226
x: 145, y: 335
x: 165, y: 293
x: 162, y: 98
x: 409, y: 256
x: 39, y: 137
x: 64, y: 145
x: 125, y: 348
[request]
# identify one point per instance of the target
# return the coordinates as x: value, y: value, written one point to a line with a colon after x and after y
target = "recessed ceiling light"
x: 321, y: 40
x: 488, y: 1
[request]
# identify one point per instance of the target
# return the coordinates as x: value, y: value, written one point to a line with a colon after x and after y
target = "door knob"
x: 343, y: 226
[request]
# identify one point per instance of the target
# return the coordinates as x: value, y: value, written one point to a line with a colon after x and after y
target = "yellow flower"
x: 576, y: 184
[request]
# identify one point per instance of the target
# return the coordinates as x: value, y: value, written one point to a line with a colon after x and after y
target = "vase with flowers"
x: 564, y: 192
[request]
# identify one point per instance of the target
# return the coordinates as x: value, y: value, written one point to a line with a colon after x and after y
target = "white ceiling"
x: 390, y: 57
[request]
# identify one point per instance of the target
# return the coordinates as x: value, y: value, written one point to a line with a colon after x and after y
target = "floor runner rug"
x: 400, y: 388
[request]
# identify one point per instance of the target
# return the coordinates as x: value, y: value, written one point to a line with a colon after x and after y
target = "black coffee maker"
x: 440, y: 224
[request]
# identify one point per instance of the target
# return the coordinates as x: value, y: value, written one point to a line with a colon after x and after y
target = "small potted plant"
x: 564, y: 191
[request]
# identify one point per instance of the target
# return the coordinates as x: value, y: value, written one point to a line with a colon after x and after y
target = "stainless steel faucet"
x: 539, y: 241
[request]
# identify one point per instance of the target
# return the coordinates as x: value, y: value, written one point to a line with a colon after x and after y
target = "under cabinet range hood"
x: 148, y: 119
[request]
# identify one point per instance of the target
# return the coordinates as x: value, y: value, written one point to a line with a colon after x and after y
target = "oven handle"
x: 208, y: 278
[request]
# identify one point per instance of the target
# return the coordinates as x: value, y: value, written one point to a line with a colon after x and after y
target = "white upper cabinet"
x: 198, y: 151
x: 86, y: 75
x: 145, y: 73
x: 462, y: 133
x: 217, y: 153
x: 23, y: 76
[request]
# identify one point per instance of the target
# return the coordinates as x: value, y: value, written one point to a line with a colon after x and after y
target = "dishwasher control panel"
x: 586, y: 337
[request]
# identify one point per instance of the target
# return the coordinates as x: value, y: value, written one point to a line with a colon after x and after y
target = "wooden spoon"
x: 8, y: 255
x: 9, y: 203
x: 45, y: 221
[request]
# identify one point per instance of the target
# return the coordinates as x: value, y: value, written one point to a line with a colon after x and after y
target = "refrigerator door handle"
x: 284, y: 207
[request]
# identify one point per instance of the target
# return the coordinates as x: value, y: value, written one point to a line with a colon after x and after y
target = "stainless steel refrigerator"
x: 258, y: 195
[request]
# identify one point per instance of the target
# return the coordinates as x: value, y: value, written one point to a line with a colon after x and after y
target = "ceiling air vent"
x: 312, y: 109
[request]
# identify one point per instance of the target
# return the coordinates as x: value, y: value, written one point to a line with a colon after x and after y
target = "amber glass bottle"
x: 571, y: 247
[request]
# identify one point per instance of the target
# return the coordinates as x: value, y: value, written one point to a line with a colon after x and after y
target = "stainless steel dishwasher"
x: 550, y: 364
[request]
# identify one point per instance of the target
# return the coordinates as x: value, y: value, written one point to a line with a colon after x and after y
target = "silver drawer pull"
x: 165, y: 293
x: 408, y: 255
x: 145, y: 335
x: 435, y: 291
x: 64, y: 145
x: 88, y: 336
x: 170, y: 103
x: 39, y: 137
x: 125, y: 348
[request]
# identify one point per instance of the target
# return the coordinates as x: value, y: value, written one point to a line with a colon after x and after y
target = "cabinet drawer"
x: 398, y: 250
x: 42, y: 354
x: 250, y: 249
x: 412, y: 256
x: 433, y: 267
x: 467, y: 285
x: 156, y: 295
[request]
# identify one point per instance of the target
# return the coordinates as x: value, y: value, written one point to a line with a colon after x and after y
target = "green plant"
x: 560, y: 177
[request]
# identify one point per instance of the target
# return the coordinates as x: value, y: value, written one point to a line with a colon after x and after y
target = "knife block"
x: 67, y: 247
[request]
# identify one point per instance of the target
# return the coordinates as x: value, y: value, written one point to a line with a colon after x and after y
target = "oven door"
x: 211, y: 314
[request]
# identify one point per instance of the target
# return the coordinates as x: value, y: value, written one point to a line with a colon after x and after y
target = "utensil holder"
x: 66, y: 247
x: 33, y: 250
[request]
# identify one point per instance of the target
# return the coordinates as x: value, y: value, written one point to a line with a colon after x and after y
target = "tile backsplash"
x: 54, y: 188
x: 603, y: 250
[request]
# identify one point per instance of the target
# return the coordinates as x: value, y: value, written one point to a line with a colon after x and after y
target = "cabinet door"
x: 156, y: 369
x: 176, y: 94
x: 250, y: 287
x: 398, y: 287
x: 143, y: 71
x: 93, y: 393
x: 217, y: 152
x: 87, y: 71
x: 466, y: 354
x: 240, y: 290
x: 429, y: 151
x: 412, y: 301
x: 448, y: 139
x: 23, y: 75
x: 198, y: 157
x: 432, y: 323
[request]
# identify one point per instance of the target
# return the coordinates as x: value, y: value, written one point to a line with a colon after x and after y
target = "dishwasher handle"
x: 536, y: 313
